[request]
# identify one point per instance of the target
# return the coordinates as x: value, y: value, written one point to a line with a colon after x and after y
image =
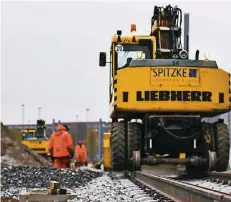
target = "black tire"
x: 134, y: 137
x: 221, y: 146
x: 208, y: 129
x: 118, y: 146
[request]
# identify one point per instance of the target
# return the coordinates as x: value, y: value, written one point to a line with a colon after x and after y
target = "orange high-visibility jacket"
x: 71, y: 147
x: 60, y: 144
x: 81, y: 153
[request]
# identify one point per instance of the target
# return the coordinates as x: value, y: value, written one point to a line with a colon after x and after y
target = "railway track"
x: 224, y: 178
x: 216, y: 187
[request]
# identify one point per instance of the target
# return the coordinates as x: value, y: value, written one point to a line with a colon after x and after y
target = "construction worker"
x: 61, y: 147
x: 80, y: 154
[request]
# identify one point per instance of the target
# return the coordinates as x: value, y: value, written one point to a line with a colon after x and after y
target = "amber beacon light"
x: 133, y: 28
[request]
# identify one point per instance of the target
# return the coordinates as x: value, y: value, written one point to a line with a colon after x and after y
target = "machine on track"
x: 36, y: 139
x: 159, y: 99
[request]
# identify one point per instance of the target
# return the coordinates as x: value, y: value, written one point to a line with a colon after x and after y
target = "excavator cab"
x: 28, y: 133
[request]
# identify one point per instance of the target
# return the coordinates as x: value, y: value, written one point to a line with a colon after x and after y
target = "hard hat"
x: 61, y: 127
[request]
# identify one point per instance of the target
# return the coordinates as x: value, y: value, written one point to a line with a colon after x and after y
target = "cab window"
x: 125, y: 53
x: 27, y: 135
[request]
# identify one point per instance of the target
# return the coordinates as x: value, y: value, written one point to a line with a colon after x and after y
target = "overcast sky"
x: 50, y: 52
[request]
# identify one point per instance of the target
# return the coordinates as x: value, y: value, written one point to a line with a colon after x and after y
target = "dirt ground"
x: 13, y: 151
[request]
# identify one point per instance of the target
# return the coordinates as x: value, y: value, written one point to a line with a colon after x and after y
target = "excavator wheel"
x: 134, y: 137
x: 208, y: 130
x: 222, y: 146
x: 118, y: 146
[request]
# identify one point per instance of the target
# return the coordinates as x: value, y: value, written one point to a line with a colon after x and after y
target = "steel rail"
x: 225, y: 176
x: 179, y: 191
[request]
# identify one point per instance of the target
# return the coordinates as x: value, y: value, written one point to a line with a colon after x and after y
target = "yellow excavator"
x: 159, y: 98
x: 36, y: 139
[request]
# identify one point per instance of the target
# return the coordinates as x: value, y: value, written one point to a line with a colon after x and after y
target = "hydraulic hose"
x: 184, y: 138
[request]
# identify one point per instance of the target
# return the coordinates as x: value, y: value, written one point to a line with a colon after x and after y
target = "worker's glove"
x: 72, y: 154
x: 51, y: 156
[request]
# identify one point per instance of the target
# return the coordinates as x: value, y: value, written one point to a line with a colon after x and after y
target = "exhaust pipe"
x: 186, y: 33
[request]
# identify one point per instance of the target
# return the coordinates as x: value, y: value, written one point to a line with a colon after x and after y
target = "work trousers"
x: 80, y: 161
x: 62, y: 162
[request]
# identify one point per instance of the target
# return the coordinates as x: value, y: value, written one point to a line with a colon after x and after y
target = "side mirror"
x: 102, y: 59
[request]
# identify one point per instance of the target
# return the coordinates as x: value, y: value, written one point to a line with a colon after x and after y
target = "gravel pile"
x: 17, y: 178
x: 88, y: 183
x: 104, y: 189
x: 13, y: 152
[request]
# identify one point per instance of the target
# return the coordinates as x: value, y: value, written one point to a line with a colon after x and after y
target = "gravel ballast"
x: 18, y: 178
x: 104, y: 189
x: 216, y: 186
x: 88, y: 183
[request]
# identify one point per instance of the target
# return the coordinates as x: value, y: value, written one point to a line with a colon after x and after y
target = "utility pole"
x: 39, y: 113
x: 87, y: 110
x: 53, y: 125
x: 76, y: 136
x: 100, y: 132
x: 77, y: 118
x: 23, y: 116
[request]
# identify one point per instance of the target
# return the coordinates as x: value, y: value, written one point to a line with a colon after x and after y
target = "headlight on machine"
x: 207, y: 55
x: 183, y: 54
x: 139, y: 55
